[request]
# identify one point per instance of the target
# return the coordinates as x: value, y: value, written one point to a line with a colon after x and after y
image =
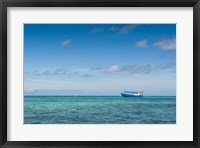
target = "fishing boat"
x: 132, y: 94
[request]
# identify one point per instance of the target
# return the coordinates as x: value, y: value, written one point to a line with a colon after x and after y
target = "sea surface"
x: 99, y: 110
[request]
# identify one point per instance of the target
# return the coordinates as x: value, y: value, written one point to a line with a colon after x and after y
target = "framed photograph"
x: 99, y: 73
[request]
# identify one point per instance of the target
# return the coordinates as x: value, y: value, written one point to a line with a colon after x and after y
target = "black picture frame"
x: 4, y: 4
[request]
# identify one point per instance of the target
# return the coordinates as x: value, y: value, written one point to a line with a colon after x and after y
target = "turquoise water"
x: 99, y: 110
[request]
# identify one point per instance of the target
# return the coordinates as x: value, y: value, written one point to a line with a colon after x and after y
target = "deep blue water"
x: 99, y: 110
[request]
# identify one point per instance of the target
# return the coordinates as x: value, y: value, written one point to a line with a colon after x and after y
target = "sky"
x: 99, y: 59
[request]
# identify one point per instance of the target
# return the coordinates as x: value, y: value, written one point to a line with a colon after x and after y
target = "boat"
x: 132, y: 94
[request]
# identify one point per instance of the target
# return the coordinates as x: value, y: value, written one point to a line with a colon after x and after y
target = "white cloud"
x: 148, y: 68
x: 167, y: 44
x: 123, y: 29
x: 34, y: 71
x: 114, y: 68
x: 127, y: 28
x: 87, y: 76
x: 60, y: 71
x: 46, y: 73
x: 66, y: 43
x: 143, y: 69
x: 142, y: 43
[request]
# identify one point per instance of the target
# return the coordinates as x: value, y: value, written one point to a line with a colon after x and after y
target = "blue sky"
x: 99, y: 59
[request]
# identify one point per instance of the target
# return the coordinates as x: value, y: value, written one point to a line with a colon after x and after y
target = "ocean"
x: 99, y: 110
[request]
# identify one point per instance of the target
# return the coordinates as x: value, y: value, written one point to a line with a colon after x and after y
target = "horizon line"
x: 96, y: 95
